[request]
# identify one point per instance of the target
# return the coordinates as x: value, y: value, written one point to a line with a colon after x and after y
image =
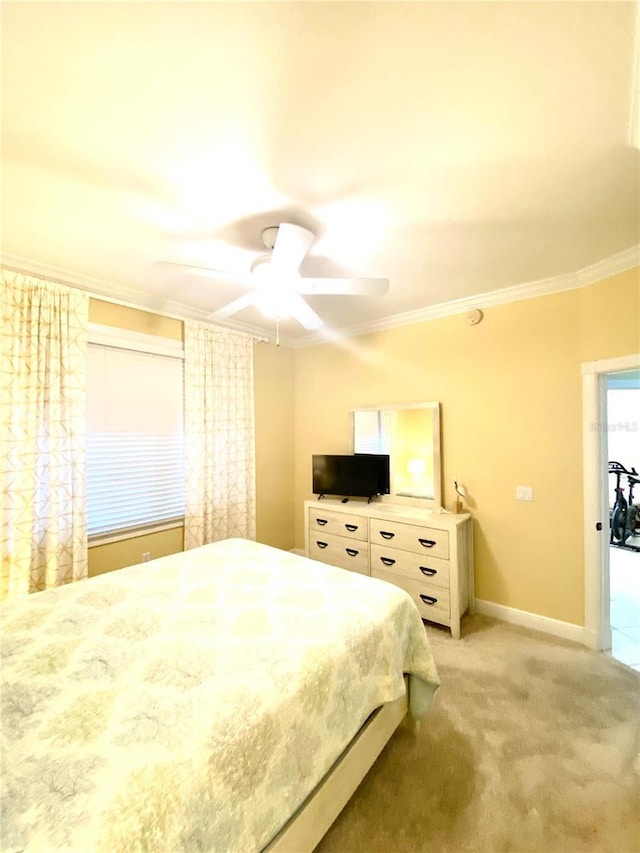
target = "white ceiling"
x: 454, y: 148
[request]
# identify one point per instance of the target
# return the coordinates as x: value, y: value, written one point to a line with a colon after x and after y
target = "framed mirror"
x: 410, y: 434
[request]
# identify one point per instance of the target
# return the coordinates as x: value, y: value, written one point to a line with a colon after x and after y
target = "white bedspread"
x: 193, y: 702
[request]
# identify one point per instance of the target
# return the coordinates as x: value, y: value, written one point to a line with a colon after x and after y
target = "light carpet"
x: 531, y: 744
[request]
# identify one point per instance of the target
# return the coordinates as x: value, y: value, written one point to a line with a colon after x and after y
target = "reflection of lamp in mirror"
x: 413, y: 479
x: 416, y: 467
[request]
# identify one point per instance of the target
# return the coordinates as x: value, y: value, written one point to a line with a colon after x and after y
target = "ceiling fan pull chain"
x: 277, y: 333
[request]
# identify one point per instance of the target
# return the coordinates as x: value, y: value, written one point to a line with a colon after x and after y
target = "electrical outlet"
x: 146, y: 556
x: 524, y: 493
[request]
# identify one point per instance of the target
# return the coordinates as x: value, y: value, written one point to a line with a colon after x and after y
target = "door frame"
x: 596, y: 506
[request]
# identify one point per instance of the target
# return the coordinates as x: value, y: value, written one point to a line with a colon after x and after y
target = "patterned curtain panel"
x: 43, y: 391
x: 219, y: 435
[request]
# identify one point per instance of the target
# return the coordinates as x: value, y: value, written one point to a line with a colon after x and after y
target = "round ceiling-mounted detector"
x: 474, y: 317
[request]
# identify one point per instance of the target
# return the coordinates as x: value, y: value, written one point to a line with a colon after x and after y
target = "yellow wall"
x: 128, y: 552
x: 273, y: 370
x: 510, y: 390
x: 134, y: 320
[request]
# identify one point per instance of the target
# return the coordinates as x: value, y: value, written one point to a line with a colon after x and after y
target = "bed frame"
x: 307, y: 826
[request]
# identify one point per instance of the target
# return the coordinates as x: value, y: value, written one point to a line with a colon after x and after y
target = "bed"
x: 228, y: 698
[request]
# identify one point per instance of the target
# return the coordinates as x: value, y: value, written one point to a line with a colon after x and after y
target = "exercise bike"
x: 625, y: 515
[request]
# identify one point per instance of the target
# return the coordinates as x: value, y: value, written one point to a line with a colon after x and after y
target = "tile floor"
x: 624, y: 580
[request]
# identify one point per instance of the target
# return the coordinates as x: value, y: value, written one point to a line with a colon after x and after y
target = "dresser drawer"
x: 340, y: 524
x: 339, y: 551
x: 410, y: 537
x: 432, y: 601
x: 416, y: 567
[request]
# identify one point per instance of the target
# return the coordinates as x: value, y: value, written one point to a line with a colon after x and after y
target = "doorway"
x: 611, y: 573
x: 623, y: 453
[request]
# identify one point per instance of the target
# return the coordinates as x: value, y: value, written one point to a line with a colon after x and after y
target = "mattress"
x: 192, y: 703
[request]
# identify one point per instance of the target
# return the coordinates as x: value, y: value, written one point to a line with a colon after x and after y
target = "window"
x: 135, y: 450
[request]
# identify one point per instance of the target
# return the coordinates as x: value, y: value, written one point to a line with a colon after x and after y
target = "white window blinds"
x: 135, y: 449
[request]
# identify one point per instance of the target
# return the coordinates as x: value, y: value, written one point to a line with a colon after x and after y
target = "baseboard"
x: 564, y: 630
x: 555, y: 627
x: 590, y: 639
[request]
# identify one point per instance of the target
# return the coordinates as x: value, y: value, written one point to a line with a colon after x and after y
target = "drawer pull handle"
x: 321, y: 544
x: 386, y: 535
x: 429, y: 599
x: 427, y: 543
x: 321, y: 521
x: 426, y: 571
x: 351, y: 527
x: 352, y: 552
x: 387, y: 561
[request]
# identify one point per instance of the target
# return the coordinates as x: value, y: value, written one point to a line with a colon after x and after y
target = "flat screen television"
x: 361, y: 475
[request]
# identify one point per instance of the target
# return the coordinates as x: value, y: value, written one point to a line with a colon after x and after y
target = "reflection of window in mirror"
x: 368, y: 432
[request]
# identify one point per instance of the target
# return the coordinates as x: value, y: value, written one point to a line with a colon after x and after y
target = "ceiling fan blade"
x: 233, y: 307
x: 344, y: 286
x: 303, y: 313
x: 206, y: 272
x: 292, y: 244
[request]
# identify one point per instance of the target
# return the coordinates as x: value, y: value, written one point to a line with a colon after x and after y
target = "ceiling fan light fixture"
x: 275, y: 287
x: 265, y: 272
x: 273, y: 304
x: 261, y: 269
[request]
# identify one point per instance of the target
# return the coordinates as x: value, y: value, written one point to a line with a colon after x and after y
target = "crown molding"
x: 134, y: 298
x: 620, y: 262
x: 128, y: 296
x: 98, y: 287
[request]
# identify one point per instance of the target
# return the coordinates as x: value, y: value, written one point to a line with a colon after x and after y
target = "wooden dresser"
x: 428, y: 554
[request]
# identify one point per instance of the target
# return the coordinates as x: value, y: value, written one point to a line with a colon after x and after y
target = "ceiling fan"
x: 277, y: 286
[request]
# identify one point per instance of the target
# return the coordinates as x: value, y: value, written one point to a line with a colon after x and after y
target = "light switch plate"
x: 524, y: 493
